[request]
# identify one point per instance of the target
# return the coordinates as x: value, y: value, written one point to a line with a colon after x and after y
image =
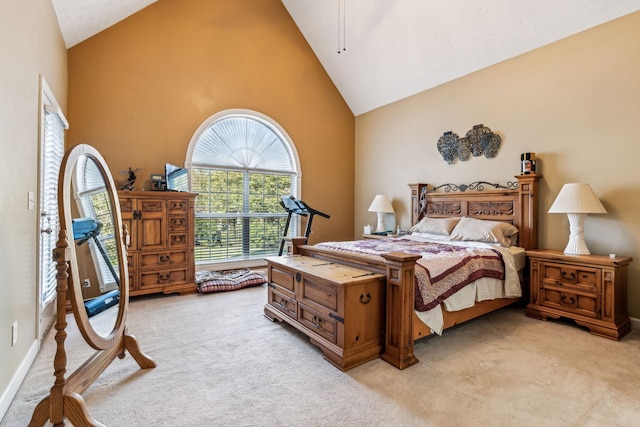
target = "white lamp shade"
x: 381, y: 203
x: 577, y: 198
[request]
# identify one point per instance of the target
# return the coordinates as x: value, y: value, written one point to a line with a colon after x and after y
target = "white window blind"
x: 53, y: 150
x: 93, y: 200
x: 242, y: 164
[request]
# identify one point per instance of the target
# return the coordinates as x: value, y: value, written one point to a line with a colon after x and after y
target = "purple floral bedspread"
x: 443, y: 269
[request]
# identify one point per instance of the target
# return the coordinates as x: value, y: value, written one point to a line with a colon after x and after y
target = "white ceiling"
x: 396, y: 48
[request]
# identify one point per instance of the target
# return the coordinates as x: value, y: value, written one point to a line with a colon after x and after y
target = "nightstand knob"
x: 570, y: 300
x: 568, y: 276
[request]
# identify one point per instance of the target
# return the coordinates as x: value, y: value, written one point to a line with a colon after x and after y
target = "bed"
x: 514, y: 203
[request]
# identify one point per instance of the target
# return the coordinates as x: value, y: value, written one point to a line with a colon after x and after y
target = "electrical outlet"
x: 86, y: 283
x: 14, y: 333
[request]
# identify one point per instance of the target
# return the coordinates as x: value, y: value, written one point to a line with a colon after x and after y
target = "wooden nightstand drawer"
x: 583, y: 304
x: 570, y: 276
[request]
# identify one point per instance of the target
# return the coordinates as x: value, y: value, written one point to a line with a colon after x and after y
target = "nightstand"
x: 590, y: 289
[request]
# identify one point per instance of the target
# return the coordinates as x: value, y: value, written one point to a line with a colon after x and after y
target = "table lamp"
x: 576, y: 200
x: 381, y: 204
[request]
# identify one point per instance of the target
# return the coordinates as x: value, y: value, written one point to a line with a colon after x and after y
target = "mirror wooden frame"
x: 65, y: 398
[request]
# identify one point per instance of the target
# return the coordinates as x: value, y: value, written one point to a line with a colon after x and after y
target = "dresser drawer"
x: 178, y: 207
x: 584, y: 304
x: 178, y: 240
x: 322, y: 324
x: 284, y: 303
x: 571, y: 277
x: 152, y: 279
x: 178, y: 223
x: 164, y: 259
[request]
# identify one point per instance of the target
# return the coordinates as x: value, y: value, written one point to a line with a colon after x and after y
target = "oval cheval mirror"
x: 91, y: 261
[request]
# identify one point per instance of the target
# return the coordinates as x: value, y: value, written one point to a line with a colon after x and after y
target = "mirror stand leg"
x: 75, y: 410
x: 40, y: 414
x: 131, y: 345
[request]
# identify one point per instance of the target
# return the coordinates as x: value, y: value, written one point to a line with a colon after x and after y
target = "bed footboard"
x: 400, y: 306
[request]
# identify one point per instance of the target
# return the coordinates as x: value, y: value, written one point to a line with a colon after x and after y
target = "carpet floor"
x: 222, y: 363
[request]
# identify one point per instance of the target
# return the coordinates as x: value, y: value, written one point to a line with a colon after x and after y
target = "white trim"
x: 17, y: 379
x: 635, y: 323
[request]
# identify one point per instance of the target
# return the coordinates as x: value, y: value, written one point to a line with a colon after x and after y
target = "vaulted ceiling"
x: 380, y: 51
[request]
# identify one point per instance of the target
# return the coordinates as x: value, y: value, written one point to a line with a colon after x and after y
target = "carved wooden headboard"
x: 515, y: 202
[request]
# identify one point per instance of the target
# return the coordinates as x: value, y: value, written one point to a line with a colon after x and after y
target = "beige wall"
x: 30, y: 45
x: 139, y: 91
x: 575, y: 103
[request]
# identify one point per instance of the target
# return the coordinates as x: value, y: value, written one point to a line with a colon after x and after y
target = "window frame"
x: 296, y: 174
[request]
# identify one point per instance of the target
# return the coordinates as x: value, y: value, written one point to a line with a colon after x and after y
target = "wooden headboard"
x: 515, y: 202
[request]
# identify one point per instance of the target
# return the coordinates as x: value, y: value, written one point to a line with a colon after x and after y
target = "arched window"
x: 241, y: 164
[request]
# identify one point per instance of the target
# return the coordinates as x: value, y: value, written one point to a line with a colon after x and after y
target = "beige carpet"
x: 222, y: 363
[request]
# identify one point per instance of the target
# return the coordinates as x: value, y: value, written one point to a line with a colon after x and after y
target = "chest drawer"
x: 322, y: 324
x: 281, y: 301
x: 322, y: 294
x: 281, y: 277
x: 577, y: 278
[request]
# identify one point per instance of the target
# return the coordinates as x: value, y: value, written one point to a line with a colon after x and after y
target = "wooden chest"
x: 340, y: 308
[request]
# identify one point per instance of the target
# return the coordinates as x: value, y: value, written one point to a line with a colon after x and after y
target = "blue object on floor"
x: 101, y: 303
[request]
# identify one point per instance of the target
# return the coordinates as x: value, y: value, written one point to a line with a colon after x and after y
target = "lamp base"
x: 576, y: 244
x: 380, y: 227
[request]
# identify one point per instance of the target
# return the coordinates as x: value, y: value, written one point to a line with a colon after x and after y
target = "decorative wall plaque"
x: 478, y: 141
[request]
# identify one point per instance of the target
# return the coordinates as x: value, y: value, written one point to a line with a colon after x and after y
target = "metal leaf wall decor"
x: 478, y: 141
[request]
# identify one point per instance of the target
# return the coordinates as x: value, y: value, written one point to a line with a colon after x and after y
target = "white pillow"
x: 478, y: 230
x: 430, y: 236
x: 435, y: 225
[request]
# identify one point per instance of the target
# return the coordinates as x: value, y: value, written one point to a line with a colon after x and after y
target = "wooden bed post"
x: 399, y: 312
x: 528, y: 215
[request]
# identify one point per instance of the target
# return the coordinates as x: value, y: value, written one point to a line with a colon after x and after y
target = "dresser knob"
x: 565, y: 300
x: 568, y: 276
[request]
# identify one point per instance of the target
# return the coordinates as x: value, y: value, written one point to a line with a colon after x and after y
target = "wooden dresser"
x: 160, y: 251
x: 590, y: 289
x: 340, y: 308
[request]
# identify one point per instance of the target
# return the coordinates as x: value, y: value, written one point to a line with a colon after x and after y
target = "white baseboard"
x: 635, y: 323
x: 16, y: 381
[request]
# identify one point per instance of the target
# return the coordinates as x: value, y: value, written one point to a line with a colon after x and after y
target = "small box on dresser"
x: 590, y: 289
x: 340, y: 308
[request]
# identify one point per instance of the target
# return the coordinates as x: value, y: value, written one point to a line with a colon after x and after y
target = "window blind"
x: 52, y: 153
